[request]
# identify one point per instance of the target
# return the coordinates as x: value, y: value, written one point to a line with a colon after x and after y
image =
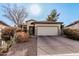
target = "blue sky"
x: 69, y: 12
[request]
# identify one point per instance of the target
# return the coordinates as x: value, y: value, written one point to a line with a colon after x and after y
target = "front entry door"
x: 31, y: 30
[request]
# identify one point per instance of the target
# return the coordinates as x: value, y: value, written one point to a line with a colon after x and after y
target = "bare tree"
x: 14, y: 13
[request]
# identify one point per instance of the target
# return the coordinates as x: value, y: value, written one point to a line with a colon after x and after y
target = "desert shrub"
x: 9, y: 43
x: 20, y: 35
x: 18, y: 30
x: 3, y: 47
x: 72, y: 33
x: 6, y: 36
x: 3, y: 50
x: 7, y: 33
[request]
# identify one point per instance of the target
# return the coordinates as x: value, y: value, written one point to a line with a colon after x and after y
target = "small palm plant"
x: 53, y: 16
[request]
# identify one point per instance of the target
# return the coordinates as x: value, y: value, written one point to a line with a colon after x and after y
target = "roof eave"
x: 47, y: 22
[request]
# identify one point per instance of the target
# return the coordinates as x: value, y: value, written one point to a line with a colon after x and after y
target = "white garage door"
x: 44, y: 31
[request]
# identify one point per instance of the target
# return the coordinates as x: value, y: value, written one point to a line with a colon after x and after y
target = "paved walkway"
x: 45, y: 46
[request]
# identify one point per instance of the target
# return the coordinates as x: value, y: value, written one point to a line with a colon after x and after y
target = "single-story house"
x: 3, y: 25
x: 43, y: 28
x: 74, y: 25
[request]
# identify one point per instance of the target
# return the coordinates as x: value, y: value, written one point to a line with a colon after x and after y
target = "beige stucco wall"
x: 2, y: 26
x: 29, y: 24
x: 52, y: 25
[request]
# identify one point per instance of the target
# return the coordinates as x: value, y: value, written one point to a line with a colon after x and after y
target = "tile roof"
x: 73, y: 23
x: 30, y: 20
x: 1, y: 22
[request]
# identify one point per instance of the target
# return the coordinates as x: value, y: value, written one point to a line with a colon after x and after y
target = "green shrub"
x: 72, y: 33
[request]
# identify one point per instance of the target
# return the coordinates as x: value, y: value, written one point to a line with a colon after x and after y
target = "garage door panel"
x: 47, y: 31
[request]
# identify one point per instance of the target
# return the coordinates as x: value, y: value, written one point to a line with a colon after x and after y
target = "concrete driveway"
x: 45, y: 46
x: 57, y: 46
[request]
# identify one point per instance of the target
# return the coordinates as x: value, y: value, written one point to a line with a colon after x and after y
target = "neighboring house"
x: 74, y: 25
x: 44, y: 28
x: 3, y: 25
